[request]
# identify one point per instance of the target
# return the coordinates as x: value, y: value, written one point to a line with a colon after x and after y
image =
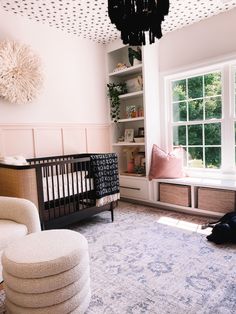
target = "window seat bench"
x: 206, y: 196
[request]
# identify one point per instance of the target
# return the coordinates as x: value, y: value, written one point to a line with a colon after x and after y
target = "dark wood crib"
x: 62, y: 187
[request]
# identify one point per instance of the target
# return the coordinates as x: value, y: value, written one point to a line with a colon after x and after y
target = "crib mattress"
x: 60, y: 186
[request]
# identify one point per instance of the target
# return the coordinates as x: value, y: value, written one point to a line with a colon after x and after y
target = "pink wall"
x: 74, y: 75
x: 212, y: 38
x: 70, y: 114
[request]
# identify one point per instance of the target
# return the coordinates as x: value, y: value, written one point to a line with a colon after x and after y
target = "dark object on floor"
x: 223, y: 230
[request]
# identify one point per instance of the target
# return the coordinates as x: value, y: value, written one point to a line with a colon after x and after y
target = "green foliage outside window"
x: 198, y: 99
x: 195, y: 87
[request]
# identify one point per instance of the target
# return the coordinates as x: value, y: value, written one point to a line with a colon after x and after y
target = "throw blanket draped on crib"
x: 106, y: 178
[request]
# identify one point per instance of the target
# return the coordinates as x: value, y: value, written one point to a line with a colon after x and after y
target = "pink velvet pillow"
x: 166, y: 165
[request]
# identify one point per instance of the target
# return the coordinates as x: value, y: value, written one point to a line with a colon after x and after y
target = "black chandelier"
x: 135, y: 17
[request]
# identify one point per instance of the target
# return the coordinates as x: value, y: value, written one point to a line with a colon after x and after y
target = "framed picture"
x: 129, y: 135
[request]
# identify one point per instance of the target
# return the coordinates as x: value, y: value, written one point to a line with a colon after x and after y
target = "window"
x: 197, y: 118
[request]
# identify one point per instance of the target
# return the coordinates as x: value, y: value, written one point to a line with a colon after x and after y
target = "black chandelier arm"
x: 164, y: 6
x: 116, y: 10
x: 134, y: 17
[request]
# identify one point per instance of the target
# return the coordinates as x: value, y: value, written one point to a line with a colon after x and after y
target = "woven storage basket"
x: 216, y: 200
x: 175, y: 194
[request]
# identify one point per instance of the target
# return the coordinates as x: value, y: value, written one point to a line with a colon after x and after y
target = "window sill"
x: 211, y: 174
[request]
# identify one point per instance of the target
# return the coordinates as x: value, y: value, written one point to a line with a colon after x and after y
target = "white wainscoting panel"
x: 98, y: 140
x: 17, y: 141
x: 39, y: 140
x: 48, y: 142
x: 74, y: 140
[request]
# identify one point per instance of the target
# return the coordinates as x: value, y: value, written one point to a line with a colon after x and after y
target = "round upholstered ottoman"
x: 47, y: 272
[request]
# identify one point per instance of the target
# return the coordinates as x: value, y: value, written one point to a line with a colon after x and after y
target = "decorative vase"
x: 130, y: 166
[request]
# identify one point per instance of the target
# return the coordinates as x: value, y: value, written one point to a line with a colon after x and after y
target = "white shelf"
x: 131, y: 70
x: 130, y: 95
x: 131, y: 119
x: 134, y: 175
x: 128, y: 144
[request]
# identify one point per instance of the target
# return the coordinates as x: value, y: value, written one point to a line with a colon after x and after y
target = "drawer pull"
x: 128, y: 187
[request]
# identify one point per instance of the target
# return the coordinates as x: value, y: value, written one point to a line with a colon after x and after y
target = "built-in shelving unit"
x: 142, y: 101
x: 132, y: 113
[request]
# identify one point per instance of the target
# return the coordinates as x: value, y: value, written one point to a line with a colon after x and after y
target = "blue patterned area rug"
x: 139, y: 265
x: 2, y: 298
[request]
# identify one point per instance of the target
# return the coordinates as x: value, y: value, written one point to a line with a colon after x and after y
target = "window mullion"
x: 203, y: 125
x: 227, y: 132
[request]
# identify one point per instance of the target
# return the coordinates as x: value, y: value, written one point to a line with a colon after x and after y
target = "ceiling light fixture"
x: 135, y: 17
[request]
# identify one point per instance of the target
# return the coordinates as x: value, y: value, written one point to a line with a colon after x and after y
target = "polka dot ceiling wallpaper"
x: 89, y: 19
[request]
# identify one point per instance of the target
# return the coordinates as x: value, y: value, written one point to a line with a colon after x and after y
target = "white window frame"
x: 233, y: 101
x: 228, y: 69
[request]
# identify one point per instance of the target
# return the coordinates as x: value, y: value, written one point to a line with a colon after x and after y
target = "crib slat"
x: 47, y: 190
x: 77, y: 185
x: 73, y: 187
x: 68, y: 186
x: 63, y: 187
x: 81, y: 184
x: 86, y: 186
x: 53, y: 192
x: 58, y: 189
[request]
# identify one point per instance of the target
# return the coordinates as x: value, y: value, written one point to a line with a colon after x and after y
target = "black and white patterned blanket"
x: 106, y: 178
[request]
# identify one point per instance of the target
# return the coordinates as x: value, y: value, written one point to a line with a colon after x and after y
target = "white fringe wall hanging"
x: 20, y: 72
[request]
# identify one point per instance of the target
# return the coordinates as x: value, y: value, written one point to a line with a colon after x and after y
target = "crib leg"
x: 112, y: 215
x: 112, y: 206
x: 42, y: 226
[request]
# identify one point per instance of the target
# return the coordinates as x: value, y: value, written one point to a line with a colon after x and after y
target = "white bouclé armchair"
x: 18, y: 217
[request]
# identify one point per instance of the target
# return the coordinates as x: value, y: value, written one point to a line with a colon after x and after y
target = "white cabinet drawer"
x: 135, y: 188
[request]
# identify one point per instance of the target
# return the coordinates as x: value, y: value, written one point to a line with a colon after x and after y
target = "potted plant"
x: 114, y: 91
x: 135, y: 56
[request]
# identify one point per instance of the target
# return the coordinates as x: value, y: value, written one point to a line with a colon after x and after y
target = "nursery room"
x: 117, y: 156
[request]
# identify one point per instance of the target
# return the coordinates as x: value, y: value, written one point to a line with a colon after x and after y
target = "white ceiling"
x: 89, y: 19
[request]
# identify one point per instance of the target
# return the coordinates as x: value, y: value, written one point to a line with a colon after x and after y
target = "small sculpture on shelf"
x: 120, y: 66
